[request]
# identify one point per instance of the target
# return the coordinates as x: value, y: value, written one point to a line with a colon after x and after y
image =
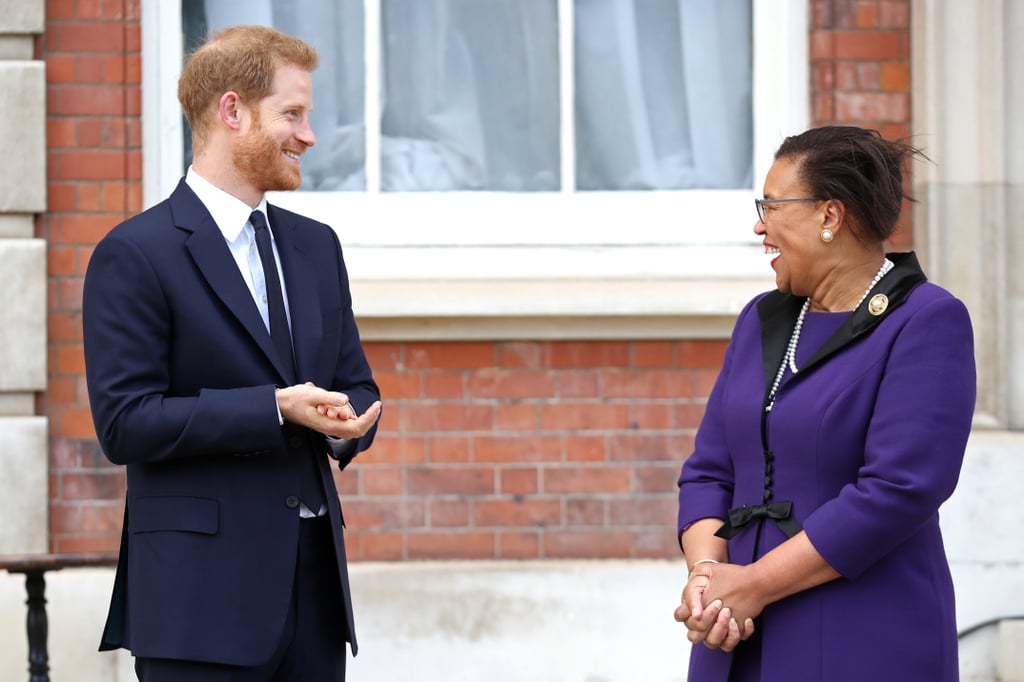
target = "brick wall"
x: 860, y: 72
x: 94, y: 140
x: 486, y: 450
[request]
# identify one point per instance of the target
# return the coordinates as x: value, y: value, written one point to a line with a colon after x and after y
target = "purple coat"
x: 867, y: 441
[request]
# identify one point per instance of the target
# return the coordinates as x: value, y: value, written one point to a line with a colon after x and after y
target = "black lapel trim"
x: 778, y: 313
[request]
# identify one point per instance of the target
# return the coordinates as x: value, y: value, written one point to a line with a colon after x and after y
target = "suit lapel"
x: 214, y: 260
x: 778, y: 313
x: 303, y: 298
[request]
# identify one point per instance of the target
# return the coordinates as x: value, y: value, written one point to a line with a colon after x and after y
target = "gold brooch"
x: 878, y: 304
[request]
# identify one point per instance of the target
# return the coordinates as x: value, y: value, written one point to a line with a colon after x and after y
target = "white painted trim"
x: 398, y: 243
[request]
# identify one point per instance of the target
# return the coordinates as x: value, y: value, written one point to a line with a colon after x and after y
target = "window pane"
x: 470, y: 95
x: 663, y: 94
x: 335, y: 29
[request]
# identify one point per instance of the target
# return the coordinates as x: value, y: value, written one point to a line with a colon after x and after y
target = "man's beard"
x: 260, y: 161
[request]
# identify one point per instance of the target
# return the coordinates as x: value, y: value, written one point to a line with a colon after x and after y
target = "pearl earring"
x: 826, y: 235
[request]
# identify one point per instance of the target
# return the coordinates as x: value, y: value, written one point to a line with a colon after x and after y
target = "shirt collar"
x: 229, y: 212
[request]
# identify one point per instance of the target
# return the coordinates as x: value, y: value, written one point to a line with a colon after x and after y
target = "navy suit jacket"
x: 181, y: 374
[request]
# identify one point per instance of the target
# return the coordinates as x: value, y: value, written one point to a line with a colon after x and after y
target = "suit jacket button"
x: 291, y: 502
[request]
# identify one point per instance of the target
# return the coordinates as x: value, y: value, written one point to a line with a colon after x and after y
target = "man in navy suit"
x: 232, y: 563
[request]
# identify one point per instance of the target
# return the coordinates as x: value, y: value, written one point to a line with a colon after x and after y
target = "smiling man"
x: 224, y: 368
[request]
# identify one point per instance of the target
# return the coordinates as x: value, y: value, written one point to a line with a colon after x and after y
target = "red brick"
x: 451, y: 545
x: 703, y: 354
x: 73, y: 423
x: 867, y: 14
x: 383, y: 546
x: 61, y: 392
x: 577, y: 354
x: 60, y: 261
x: 65, y: 518
x: 703, y: 382
x: 102, y: 518
x: 517, y: 511
x: 689, y: 414
x: 655, y: 544
x: 444, y: 385
x: 61, y: 132
x: 510, y: 385
x: 518, y: 545
x: 384, y: 356
x: 871, y: 45
x: 518, y: 481
x: 86, y: 37
x: 380, y: 481
x: 89, y: 100
x: 448, y: 513
x: 895, y: 76
x: 597, y: 544
x: 645, y: 383
x: 450, y: 480
x: 648, y: 510
x: 657, y: 478
x: 517, y: 417
x: 582, y: 448
x: 648, y: 354
x: 449, y: 355
x: 823, y: 107
x: 388, y: 449
x: 822, y: 46
x: 61, y: 69
x: 443, y: 449
x: 649, y: 447
x: 866, y: 106
x: 519, y: 355
x: 585, y: 416
x: 70, y: 359
x: 869, y: 75
x: 96, y: 164
x: 397, y: 385
x: 823, y: 75
x: 384, y: 514
x: 64, y: 326
x: 89, y: 69
x: 528, y: 448
x: 60, y: 9
x: 89, y: 197
x: 579, y: 384
x: 894, y: 14
x: 92, y: 544
x: 586, y: 511
x: 426, y: 418
x: 93, y: 485
x: 652, y: 415
x: 585, y: 479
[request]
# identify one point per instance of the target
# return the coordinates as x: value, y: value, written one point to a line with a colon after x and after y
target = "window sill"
x: 624, y: 292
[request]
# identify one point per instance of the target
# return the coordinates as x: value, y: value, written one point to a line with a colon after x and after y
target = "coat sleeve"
x: 126, y: 332
x: 353, y: 375
x: 915, y: 445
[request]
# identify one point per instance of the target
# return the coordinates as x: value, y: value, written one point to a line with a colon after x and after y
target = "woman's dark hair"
x: 858, y: 167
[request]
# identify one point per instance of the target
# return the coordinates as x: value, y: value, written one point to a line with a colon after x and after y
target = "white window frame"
x: 537, y: 264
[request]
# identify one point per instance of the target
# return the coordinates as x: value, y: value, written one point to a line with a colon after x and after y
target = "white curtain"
x: 470, y: 98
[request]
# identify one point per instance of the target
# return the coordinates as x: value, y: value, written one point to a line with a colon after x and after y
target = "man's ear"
x: 230, y: 109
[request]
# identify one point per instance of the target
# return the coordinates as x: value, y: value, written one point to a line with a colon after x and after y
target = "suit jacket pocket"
x: 190, y: 514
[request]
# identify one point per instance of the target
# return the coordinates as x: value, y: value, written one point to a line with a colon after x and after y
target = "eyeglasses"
x: 761, y: 203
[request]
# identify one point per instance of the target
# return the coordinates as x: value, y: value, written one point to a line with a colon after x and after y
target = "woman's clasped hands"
x: 715, y: 606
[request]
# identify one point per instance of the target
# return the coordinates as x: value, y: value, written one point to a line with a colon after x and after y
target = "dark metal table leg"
x: 38, y: 658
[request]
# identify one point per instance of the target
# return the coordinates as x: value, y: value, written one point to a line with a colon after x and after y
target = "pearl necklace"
x: 789, y: 359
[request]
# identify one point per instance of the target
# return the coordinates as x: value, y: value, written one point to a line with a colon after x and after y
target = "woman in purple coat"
x: 808, y: 511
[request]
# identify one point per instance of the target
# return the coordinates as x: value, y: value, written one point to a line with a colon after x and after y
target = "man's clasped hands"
x: 716, y: 600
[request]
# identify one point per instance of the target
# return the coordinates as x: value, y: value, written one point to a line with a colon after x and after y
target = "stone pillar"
x: 23, y: 435
x: 968, y: 93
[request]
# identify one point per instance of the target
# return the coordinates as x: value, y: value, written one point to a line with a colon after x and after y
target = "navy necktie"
x: 311, y: 490
x: 279, y: 331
